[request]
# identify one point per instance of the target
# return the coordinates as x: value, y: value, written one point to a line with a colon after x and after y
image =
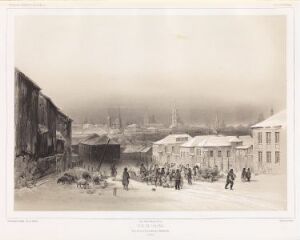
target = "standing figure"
x: 244, y: 174
x: 182, y: 177
x: 157, y: 176
x: 189, y: 176
x: 177, y: 180
x: 248, y: 175
x: 230, y: 179
x: 113, y: 170
x: 195, y: 171
x: 125, y: 179
x: 143, y: 171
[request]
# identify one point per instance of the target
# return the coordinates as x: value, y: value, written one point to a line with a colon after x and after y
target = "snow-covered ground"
x: 265, y: 192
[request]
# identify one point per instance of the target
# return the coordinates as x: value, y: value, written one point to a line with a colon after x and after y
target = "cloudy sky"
x: 154, y: 60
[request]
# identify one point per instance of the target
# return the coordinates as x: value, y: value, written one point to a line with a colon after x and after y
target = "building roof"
x: 277, y: 120
x: 211, y: 141
x: 146, y: 149
x: 76, y: 140
x: 95, y: 139
x: 49, y: 100
x: 25, y: 77
x: 247, y: 140
x: 173, y: 138
x: 133, y: 148
x: 65, y: 116
x: 244, y: 147
x: 136, y: 149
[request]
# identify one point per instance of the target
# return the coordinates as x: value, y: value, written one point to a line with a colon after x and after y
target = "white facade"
x: 210, y: 151
x: 244, y: 153
x: 167, y: 150
x: 269, y: 145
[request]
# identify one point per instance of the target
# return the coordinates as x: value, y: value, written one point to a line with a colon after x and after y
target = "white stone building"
x: 210, y: 151
x: 244, y: 153
x: 167, y: 149
x: 269, y: 145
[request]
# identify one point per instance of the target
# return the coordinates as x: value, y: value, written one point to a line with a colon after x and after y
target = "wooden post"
x: 228, y: 163
x: 103, y: 155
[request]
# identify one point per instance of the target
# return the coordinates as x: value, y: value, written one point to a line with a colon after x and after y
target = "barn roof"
x: 136, y: 149
x: 146, y: 149
x: 26, y: 78
x: 95, y: 139
x: 49, y: 100
x: 133, y: 148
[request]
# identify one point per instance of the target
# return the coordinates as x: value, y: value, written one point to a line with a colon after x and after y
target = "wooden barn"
x: 26, y: 114
x: 95, y: 148
x: 39, y: 128
x: 64, y: 128
x: 47, y: 112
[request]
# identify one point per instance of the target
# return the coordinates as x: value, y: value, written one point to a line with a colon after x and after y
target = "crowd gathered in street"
x: 171, y: 176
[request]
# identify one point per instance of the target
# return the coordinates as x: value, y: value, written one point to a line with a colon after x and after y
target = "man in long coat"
x: 177, y: 179
x: 125, y: 179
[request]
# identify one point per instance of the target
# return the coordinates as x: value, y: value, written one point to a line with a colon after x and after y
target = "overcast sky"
x: 154, y: 60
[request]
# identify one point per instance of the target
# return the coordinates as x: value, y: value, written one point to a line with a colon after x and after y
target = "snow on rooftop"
x: 277, y: 120
x: 211, y: 141
x: 95, y: 139
x: 247, y: 140
x: 243, y: 147
x: 136, y: 149
x: 132, y: 148
x: 174, y: 138
x: 146, y: 149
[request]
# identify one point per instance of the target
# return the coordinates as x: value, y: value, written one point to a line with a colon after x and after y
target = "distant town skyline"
x: 86, y: 64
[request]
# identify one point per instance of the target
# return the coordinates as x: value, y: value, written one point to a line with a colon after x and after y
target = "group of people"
x: 246, y: 176
x: 171, y: 177
x: 167, y: 176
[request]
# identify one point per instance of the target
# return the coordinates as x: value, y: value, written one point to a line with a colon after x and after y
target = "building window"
x: 276, y: 137
x: 269, y: 157
x: 268, y: 137
x: 219, y: 153
x: 198, y: 152
x: 211, y: 153
x: 259, y: 138
x: 191, y: 150
x: 228, y: 153
x: 260, y: 157
x: 277, y: 157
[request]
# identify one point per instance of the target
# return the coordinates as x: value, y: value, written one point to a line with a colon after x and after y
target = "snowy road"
x: 265, y: 192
